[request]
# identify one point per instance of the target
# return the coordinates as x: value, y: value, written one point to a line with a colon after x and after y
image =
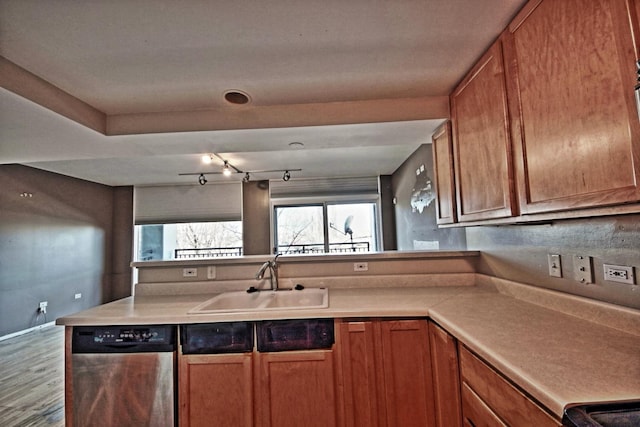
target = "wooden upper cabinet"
x: 481, y: 142
x: 443, y: 166
x: 571, y: 73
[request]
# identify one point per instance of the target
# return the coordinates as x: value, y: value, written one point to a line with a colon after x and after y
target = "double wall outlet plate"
x: 189, y: 272
x: 619, y: 273
x: 360, y: 266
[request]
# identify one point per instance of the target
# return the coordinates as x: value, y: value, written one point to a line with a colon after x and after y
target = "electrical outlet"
x: 77, y: 296
x: 189, y: 272
x: 42, y: 307
x: 360, y: 266
x: 619, y: 273
x: 582, y: 270
x: 555, y: 267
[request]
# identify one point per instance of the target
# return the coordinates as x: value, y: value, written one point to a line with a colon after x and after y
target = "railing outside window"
x: 318, y: 248
x: 311, y: 248
x: 207, y: 252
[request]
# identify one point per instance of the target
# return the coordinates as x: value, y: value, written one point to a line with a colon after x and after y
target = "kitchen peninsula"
x: 552, y: 350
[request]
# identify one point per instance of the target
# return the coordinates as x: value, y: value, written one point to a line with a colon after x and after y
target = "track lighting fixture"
x: 228, y: 169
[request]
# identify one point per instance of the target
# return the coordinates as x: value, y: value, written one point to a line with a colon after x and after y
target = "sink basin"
x: 264, y: 300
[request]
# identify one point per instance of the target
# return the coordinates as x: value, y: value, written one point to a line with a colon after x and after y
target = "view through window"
x: 188, y: 240
x: 326, y: 228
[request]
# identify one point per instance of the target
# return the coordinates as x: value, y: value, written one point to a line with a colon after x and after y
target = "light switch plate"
x: 582, y: 269
x: 211, y: 272
x: 555, y: 267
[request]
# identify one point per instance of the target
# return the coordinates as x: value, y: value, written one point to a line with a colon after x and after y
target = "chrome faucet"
x: 272, y: 266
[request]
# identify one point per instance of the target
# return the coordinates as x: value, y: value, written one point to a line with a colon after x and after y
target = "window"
x: 188, y: 240
x: 326, y: 227
x: 187, y: 221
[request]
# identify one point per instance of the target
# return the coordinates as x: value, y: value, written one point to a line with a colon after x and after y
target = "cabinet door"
x: 295, y: 388
x: 443, y: 166
x: 482, y: 142
x: 571, y: 74
x: 446, y: 379
x: 216, y: 389
x: 406, y: 362
x: 360, y: 368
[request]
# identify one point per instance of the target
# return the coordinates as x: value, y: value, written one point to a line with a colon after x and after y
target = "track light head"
x: 246, y: 177
x: 202, y: 180
x: 286, y: 176
x: 226, y: 170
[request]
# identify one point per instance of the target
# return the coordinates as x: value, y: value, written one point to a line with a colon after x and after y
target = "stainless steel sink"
x: 264, y: 300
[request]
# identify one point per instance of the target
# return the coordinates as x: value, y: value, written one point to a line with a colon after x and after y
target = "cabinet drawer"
x: 475, y: 412
x: 513, y: 407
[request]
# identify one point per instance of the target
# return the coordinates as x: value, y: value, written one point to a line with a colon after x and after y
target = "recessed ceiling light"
x: 236, y: 97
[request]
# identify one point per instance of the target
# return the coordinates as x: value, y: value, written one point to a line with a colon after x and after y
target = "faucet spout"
x: 272, y: 266
x: 263, y: 268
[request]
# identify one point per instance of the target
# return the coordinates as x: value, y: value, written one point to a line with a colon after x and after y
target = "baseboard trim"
x: 26, y: 331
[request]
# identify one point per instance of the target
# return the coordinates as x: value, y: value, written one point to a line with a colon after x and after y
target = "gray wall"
x: 519, y: 252
x: 412, y: 225
x: 70, y: 237
x: 388, y: 213
x: 256, y: 239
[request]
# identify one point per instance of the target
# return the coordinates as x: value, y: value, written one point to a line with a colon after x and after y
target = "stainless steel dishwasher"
x: 124, y: 375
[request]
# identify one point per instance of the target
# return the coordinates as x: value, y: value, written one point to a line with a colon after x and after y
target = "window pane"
x: 352, y: 227
x: 189, y: 240
x: 299, y: 229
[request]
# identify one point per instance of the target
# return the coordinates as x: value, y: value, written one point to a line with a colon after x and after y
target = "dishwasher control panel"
x: 139, y: 338
x: 129, y: 334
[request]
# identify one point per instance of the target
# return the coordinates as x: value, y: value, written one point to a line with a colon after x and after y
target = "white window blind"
x: 188, y: 203
x: 324, y: 187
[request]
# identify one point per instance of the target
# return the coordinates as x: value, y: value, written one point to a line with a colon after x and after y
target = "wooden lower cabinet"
x: 296, y: 389
x: 490, y: 400
x: 361, y: 370
x: 386, y: 373
x: 379, y: 373
x: 216, y: 389
x: 446, y: 377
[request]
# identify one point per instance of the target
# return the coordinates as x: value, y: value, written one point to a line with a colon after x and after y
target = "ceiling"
x: 131, y: 92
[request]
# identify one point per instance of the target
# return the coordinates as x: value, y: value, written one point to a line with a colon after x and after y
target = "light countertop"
x: 559, y: 359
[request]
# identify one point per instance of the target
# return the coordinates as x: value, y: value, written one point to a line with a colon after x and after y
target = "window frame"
x: 325, y: 201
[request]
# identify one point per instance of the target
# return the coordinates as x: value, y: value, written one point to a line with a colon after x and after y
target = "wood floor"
x: 32, y: 379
